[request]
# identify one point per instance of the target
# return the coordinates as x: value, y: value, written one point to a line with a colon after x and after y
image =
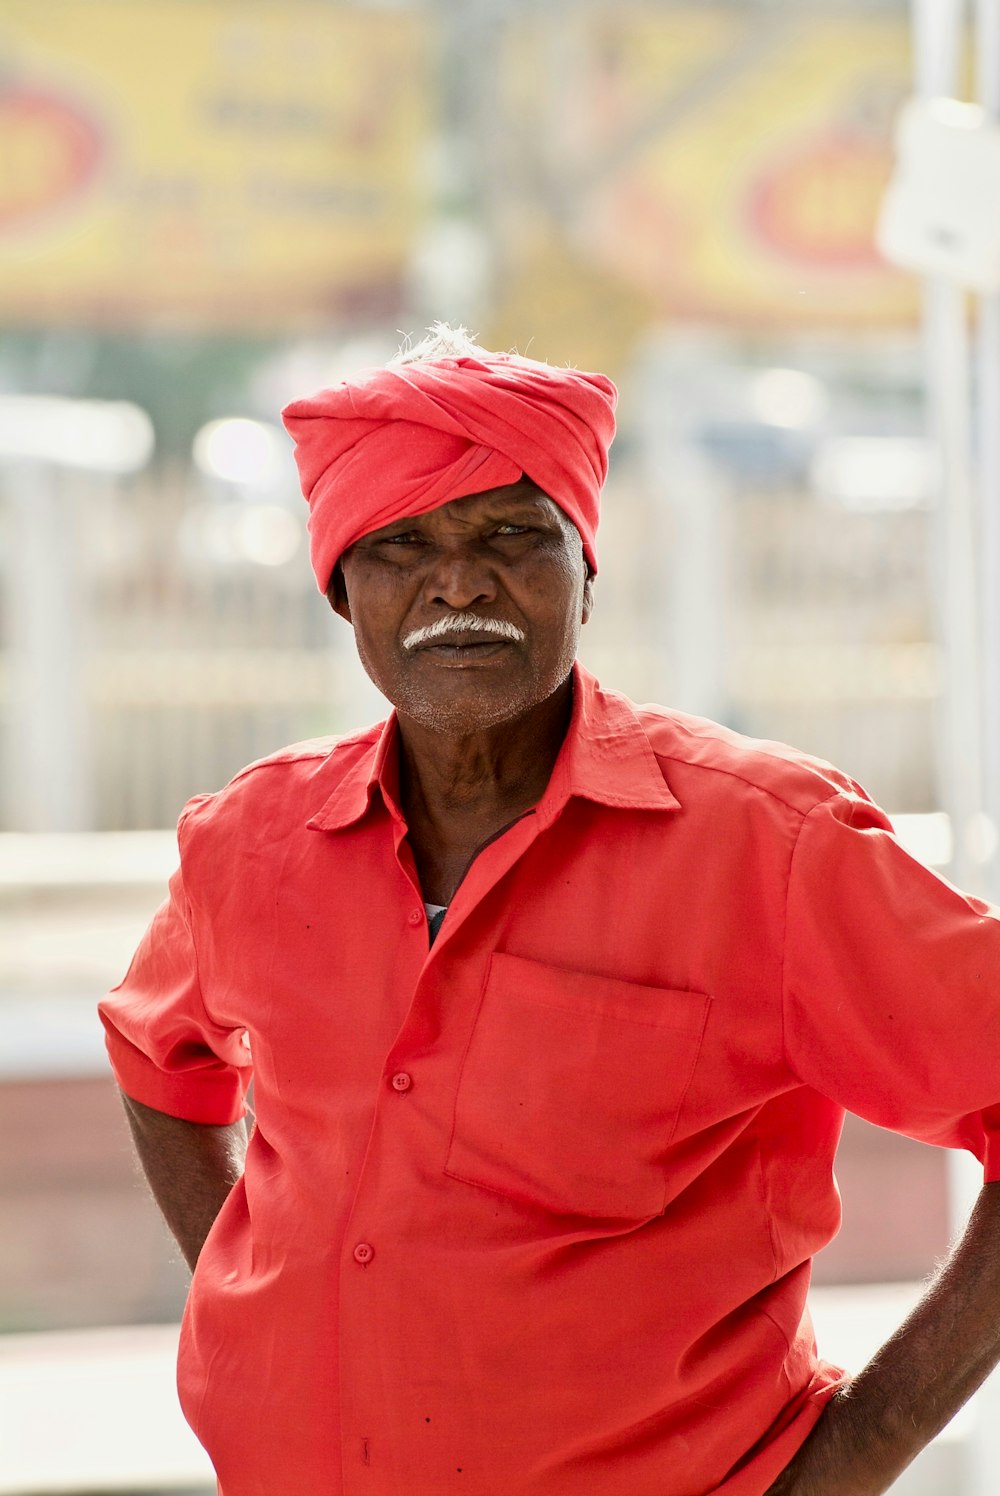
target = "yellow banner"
x: 726, y: 164
x: 232, y: 165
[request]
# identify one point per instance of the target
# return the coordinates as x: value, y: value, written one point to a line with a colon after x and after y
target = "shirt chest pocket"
x: 571, y: 1087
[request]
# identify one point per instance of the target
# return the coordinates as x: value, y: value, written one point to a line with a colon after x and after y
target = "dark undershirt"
x: 434, y: 922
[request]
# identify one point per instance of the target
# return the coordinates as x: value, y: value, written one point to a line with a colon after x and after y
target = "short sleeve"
x: 166, y: 1051
x: 891, y: 984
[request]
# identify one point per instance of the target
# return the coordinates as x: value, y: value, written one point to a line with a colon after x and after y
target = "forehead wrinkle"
x: 515, y: 495
x: 475, y: 509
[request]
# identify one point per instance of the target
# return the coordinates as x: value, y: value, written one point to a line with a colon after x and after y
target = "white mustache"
x: 462, y: 623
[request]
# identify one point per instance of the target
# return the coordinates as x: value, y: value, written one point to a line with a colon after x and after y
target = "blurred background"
x: 209, y: 208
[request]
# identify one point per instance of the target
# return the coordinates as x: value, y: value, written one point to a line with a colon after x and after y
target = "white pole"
x: 937, y: 32
x: 988, y: 447
x: 689, y: 499
x: 48, y: 784
x: 955, y: 535
x: 692, y: 498
x: 984, y: 1445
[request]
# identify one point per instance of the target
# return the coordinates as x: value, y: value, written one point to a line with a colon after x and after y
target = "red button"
x: 415, y: 917
x: 363, y: 1252
x: 402, y: 1081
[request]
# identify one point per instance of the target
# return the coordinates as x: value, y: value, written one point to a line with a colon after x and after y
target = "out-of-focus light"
x: 450, y: 269
x: 102, y: 436
x: 252, y: 453
x: 981, y: 838
x: 959, y: 115
x: 205, y: 536
x: 232, y: 534
x: 931, y: 837
x: 927, y: 837
x: 267, y: 535
x: 876, y: 473
x: 787, y: 397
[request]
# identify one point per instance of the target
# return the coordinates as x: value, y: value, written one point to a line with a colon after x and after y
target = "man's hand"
x: 876, y: 1425
x: 190, y: 1167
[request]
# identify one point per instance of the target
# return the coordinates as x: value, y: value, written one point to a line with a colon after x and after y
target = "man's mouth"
x: 463, y: 641
x: 463, y: 649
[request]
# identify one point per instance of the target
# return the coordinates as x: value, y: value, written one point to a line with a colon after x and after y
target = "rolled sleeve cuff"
x: 213, y: 1093
x: 991, y: 1156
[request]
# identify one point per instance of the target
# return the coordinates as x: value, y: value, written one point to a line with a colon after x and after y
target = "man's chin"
x: 466, y: 711
x: 456, y: 720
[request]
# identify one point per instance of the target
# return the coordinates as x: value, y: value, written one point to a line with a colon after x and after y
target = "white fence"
x: 159, y: 630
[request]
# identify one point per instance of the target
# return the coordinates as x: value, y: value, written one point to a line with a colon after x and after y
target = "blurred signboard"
x: 235, y: 166
x: 726, y: 161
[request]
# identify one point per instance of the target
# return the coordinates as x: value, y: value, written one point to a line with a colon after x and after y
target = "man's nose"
x: 459, y: 577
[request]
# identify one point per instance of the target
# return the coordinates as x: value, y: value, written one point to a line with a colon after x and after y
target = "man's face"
x: 470, y: 615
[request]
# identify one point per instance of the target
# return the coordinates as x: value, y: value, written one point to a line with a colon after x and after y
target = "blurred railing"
x: 167, y: 633
x: 160, y: 629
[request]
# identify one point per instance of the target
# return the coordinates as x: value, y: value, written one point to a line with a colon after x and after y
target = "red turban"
x: 410, y: 437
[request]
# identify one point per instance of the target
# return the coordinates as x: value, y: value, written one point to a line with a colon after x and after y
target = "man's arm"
x: 948, y: 1345
x: 190, y: 1168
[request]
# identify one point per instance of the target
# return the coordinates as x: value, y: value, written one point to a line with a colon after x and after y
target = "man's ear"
x: 588, y: 594
x: 336, y: 594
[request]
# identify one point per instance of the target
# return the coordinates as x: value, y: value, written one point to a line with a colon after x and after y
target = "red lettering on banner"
x: 818, y: 204
x: 50, y: 152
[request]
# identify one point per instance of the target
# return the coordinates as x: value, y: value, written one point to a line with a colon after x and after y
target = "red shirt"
x: 531, y: 1211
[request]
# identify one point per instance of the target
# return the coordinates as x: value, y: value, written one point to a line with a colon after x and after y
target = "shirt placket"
x: 376, y: 1451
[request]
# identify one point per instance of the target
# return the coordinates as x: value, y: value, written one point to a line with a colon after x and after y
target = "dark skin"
x: 481, y: 720
x: 916, y: 1383
x: 190, y: 1168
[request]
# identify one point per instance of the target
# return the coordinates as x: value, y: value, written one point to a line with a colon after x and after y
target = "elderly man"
x: 553, y: 1005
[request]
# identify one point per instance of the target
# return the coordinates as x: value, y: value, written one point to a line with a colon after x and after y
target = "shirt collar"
x: 366, y: 762
x: 605, y: 757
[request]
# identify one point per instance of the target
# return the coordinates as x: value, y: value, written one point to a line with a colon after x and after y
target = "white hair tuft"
x: 442, y: 341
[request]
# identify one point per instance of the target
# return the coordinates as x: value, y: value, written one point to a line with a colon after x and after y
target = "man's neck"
x: 452, y: 782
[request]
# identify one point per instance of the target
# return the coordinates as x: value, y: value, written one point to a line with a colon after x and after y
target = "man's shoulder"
x: 714, y: 758
x: 295, y: 778
x: 300, y: 761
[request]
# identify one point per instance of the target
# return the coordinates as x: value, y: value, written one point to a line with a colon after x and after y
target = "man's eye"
x: 511, y: 529
x: 405, y: 537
